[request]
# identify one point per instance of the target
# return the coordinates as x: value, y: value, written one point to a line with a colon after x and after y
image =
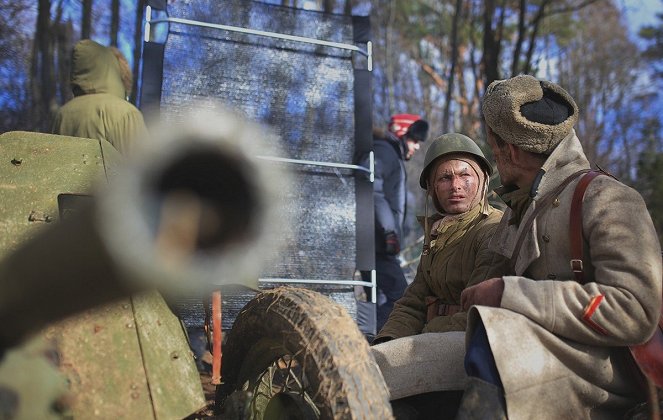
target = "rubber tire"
x: 322, y: 337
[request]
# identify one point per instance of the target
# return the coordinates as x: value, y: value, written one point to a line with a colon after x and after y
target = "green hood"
x: 95, y: 69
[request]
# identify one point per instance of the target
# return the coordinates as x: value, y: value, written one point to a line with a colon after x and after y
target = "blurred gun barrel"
x: 188, y: 212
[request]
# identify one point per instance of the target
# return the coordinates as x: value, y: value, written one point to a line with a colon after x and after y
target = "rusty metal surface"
x: 34, y: 169
x: 173, y: 379
x: 101, y: 357
x: 129, y: 359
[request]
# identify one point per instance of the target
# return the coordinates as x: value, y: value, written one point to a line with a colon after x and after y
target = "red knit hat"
x: 401, y: 124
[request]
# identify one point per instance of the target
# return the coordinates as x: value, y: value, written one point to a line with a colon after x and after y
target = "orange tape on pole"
x: 216, y: 338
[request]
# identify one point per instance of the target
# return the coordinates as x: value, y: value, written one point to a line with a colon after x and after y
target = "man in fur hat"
x: 550, y: 339
x: 392, y: 148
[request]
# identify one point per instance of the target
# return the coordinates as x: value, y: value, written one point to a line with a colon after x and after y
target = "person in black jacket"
x: 392, y: 148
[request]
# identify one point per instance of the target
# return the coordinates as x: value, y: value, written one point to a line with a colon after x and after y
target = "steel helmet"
x: 452, y: 143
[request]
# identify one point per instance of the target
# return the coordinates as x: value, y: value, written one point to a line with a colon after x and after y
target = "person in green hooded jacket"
x: 99, y: 109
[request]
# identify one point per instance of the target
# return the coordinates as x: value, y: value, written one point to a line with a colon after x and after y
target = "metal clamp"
x: 576, y: 266
x: 372, y: 284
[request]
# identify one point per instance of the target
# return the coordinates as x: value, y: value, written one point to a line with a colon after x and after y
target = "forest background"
x: 433, y: 58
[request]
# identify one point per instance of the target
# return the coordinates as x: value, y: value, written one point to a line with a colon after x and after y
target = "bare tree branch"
x: 573, y: 8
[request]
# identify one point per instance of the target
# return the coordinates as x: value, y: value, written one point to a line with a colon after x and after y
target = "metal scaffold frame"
x: 368, y: 53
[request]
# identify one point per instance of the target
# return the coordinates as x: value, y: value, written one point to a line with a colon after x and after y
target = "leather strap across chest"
x: 575, y: 224
x: 541, y: 204
x: 648, y: 356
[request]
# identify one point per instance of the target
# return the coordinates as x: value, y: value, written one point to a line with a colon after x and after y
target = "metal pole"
x: 318, y: 163
x: 263, y: 33
x: 374, y: 286
x: 318, y: 281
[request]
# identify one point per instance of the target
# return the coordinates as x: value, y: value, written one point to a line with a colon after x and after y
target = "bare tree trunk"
x: 522, y: 14
x: 138, y: 42
x: 474, y: 66
x: 452, y: 70
x: 63, y: 34
x: 86, y: 23
x: 477, y: 71
x: 42, y: 69
x: 347, y: 10
x: 489, y: 61
x: 64, y: 60
x: 536, y: 23
x: 115, y: 21
x: 328, y: 6
x: 59, y: 53
x: 389, y: 71
x: 467, y: 117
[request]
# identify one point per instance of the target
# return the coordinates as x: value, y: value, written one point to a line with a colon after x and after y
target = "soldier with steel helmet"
x: 455, y: 256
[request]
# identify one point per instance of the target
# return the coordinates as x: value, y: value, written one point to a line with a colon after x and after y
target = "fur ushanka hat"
x: 532, y: 114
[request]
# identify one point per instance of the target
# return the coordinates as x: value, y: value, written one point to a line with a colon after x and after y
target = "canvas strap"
x: 648, y: 356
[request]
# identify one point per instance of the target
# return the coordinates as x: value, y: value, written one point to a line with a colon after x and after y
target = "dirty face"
x: 502, y: 159
x: 411, y: 147
x: 456, y: 185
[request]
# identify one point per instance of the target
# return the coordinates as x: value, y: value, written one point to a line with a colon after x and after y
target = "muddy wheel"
x: 292, y: 353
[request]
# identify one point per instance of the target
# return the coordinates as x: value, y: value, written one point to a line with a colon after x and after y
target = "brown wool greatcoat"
x: 445, y: 273
x: 553, y: 364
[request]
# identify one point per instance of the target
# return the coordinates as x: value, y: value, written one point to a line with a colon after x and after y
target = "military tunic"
x: 559, y: 346
x: 444, y: 273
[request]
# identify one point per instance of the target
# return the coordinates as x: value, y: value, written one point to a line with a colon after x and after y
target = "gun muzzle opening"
x: 194, y: 208
x: 207, y: 203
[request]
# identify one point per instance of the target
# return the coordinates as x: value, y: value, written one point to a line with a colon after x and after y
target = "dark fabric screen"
x: 306, y: 94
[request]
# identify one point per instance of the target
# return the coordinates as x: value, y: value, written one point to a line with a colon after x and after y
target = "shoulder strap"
x: 575, y: 224
x: 648, y: 356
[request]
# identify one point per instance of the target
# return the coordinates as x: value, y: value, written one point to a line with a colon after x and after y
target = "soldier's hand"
x: 486, y: 293
x: 392, y: 246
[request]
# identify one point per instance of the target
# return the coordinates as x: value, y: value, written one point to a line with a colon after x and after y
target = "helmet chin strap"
x: 484, y: 209
x: 426, y: 247
x: 482, y: 190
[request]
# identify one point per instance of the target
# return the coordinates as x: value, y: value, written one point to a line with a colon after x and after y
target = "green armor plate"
x: 128, y: 359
